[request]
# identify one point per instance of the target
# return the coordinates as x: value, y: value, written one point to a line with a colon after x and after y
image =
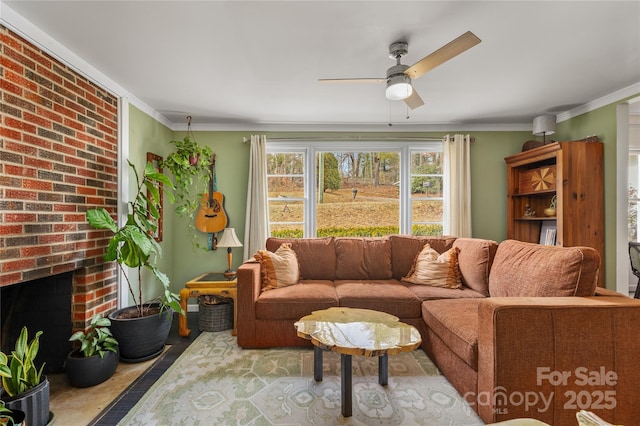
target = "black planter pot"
x: 140, y: 339
x: 18, y: 418
x: 34, y: 403
x: 84, y: 372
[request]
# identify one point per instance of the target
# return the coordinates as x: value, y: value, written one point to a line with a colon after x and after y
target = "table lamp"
x: 229, y: 240
x: 544, y: 125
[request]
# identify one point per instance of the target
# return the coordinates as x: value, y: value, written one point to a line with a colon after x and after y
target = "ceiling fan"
x: 399, y: 76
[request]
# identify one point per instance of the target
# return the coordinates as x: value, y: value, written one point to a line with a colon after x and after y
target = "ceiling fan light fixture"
x: 398, y: 87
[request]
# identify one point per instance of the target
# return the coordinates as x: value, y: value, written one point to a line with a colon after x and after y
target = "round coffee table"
x: 352, y: 331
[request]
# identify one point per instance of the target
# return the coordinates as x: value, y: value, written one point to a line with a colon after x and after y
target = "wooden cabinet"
x: 573, y: 172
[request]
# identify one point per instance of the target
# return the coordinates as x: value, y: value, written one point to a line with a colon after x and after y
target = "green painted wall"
x: 489, y: 200
x: 232, y: 165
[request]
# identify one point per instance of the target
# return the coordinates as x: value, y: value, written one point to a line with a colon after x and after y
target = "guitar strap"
x: 212, y: 236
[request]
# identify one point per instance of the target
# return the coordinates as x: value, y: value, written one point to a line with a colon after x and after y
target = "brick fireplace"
x: 58, y: 158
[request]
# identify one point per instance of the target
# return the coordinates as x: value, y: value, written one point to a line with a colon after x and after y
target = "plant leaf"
x: 101, y: 219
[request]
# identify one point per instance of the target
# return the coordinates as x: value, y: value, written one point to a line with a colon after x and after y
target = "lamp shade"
x: 544, y: 125
x: 398, y: 87
x: 229, y: 239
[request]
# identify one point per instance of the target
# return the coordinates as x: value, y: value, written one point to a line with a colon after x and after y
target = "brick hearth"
x: 58, y: 158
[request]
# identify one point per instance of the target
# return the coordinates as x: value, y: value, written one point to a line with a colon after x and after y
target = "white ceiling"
x: 258, y: 63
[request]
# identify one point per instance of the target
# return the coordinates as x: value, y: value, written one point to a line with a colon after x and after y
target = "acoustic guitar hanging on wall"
x: 211, y: 217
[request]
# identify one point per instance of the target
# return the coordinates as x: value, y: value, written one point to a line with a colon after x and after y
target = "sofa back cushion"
x: 475, y: 259
x: 526, y: 269
x: 316, y: 256
x: 363, y: 258
x: 405, y: 248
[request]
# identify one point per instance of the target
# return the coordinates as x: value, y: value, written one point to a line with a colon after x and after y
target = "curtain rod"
x: 355, y: 138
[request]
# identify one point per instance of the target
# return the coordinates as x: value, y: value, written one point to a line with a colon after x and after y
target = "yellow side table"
x: 207, y: 283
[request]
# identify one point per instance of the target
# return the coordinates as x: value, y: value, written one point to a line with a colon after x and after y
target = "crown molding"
x: 611, y: 98
x: 353, y: 127
x: 15, y: 22
x: 18, y: 24
x: 30, y: 32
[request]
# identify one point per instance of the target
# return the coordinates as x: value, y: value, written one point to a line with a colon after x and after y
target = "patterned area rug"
x: 214, y: 382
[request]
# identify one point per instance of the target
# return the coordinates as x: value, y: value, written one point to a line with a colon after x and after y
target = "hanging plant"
x: 190, y: 166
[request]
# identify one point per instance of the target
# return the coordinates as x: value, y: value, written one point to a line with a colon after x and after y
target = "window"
x: 355, y: 188
x: 287, y: 195
x: 427, y: 193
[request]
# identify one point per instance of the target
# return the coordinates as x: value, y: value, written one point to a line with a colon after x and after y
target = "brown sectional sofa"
x: 527, y: 335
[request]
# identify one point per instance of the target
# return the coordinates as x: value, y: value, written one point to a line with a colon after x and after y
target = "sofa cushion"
x: 363, y: 258
x: 526, y: 269
x: 405, y: 248
x: 296, y: 301
x: 434, y: 269
x: 279, y: 269
x: 388, y: 296
x: 316, y: 256
x: 475, y: 259
x: 455, y: 321
x: 426, y: 292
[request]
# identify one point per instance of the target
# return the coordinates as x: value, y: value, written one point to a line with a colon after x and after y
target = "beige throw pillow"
x: 279, y: 269
x: 434, y: 269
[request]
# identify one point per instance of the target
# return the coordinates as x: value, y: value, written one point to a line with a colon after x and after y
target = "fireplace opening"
x: 42, y: 304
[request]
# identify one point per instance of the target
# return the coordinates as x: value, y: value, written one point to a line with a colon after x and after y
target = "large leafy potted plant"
x: 24, y: 386
x: 96, y: 359
x: 190, y: 165
x: 141, y: 329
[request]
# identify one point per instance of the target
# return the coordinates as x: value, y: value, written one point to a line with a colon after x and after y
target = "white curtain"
x: 256, y: 229
x: 457, y: 158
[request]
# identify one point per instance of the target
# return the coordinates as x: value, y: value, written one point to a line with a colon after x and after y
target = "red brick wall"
x: 58, y: 157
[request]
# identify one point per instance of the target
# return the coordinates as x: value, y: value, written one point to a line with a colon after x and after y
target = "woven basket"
x: 216, y: 313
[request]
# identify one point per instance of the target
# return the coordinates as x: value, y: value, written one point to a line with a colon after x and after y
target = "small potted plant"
x: 11, y: 417
x: 25, y: 388
x: 97, y: 357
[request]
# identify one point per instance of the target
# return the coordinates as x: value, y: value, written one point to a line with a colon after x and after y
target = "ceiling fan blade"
x: 414, y: 101
x: 352, y: 80
x: 448, y: 51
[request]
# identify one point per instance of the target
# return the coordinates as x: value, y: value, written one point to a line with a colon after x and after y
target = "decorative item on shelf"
x: 538, y: 179
x: 548, y: 233
x: 528, y: 212
x: 530, y: 144
x: 551, y: 210
x: 544, y: 125
x: 229, y: 240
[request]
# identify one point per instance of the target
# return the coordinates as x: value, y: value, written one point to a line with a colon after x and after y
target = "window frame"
x: 310, y: 149
x: 633, y: 152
